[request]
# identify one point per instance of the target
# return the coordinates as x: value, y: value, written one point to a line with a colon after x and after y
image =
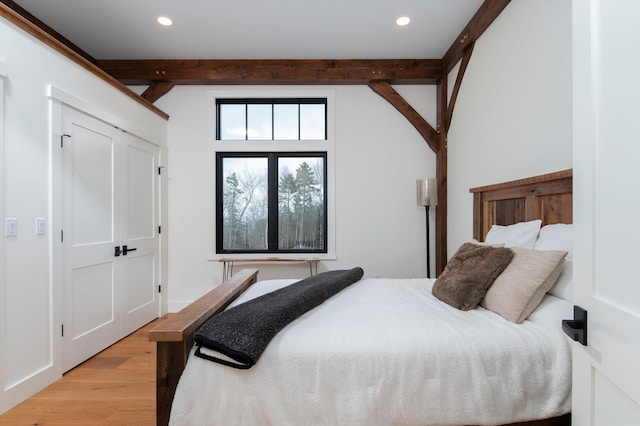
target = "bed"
x: 448, y: 370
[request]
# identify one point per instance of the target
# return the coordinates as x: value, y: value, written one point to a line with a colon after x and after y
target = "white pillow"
x: 563, y: 288
x: 521, y: 234
x: 559, y: 236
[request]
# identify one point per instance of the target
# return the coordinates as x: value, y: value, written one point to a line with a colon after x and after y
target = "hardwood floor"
x: 115, y: 387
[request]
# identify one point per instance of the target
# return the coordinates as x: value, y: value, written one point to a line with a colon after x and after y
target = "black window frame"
x: 268, y: 101
x: 272, y: 201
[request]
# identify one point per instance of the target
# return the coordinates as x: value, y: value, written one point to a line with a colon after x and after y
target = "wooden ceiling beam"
x: 156, y: 90
x: 430, y: 135
x: 456, y: 88
x: 270, y: 72
x: 486, y: 14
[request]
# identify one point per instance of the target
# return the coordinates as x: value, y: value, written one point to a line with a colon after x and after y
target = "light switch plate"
x: 41, y: 226
x: 11, y: 227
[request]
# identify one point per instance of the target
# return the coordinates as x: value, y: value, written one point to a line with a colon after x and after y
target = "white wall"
x: 379, y: 156
x: 30, y: 302
x: 513, y: 117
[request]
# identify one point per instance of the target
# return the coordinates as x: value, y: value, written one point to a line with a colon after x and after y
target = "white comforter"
x: 386, y: 352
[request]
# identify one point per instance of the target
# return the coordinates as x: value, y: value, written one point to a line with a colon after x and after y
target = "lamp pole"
x: 428, y: 240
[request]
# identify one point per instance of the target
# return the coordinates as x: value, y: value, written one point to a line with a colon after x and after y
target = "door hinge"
x: 62, y: 136
x: 160, y: 169
x: 160, y: 288
x: 159, y: 229
x: 62, y: 236
x: 62, y: 329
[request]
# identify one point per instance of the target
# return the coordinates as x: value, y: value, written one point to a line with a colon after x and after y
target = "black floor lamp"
x: 427, y: 195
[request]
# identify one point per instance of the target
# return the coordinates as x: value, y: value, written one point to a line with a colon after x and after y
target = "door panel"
x: 141, y: 183
x: 141, y: 220
x: 92, y: 162
x: 88, y: 235
x: 143, y: 290
x: 92, y: 298
x: 606, y: 388
x: 612, y: 402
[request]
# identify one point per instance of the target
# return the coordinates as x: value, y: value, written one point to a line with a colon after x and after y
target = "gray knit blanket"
x: 242, y: 333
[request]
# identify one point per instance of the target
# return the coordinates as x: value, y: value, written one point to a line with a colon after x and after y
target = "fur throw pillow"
x: 469, y: 274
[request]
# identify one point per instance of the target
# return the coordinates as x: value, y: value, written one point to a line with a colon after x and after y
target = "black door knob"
x: 577, y: 327
x: 126, y: 250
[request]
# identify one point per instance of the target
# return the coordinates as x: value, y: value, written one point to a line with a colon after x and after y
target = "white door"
x: 89, y: 236
x: 111, y: 245
x: 140, y: 223
x: 606, y: 376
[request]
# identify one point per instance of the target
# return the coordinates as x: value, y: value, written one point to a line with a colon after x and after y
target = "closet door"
x: 89, y: 235
x: 110, y: 236
x: 140, y: 221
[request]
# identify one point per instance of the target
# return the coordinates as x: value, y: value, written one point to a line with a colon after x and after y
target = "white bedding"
x: 385, y: 352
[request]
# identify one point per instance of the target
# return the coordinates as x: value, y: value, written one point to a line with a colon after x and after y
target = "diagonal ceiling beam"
x: 456, y: 88
x: 384, y: 89
x: 486, y: 14
x: 156, y: 90
x: 247, y: 72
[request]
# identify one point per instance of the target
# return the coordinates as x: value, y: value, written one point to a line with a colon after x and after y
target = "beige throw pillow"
x: 469, y: 273
x: 519, y: 289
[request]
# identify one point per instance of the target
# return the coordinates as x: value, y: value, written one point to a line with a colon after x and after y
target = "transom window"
x: 271, y: 202
x: 271, y: 119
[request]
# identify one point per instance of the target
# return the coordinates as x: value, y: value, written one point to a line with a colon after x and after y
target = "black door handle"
x: 117, y: 253
x: 126, y: 250
x: 577, y: 327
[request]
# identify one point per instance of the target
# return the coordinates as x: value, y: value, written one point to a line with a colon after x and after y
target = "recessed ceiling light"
x: 403, y: 20
x: 163, y: 20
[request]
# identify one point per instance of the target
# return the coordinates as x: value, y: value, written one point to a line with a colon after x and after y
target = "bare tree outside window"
x: 290, y: 218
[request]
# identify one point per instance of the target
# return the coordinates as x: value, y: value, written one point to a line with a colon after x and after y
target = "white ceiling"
x: 257, y: 29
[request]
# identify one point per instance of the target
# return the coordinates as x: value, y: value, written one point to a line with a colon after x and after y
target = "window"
x: 273, y: 154
x: 271, y: 119
x: 271, y: 202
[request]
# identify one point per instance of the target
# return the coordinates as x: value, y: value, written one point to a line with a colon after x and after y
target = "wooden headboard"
x: 548, y: 197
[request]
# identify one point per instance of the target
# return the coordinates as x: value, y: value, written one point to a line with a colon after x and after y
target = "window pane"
x: 259, y: 117
x: 244, y: 203
x: 312, y: 122
x: 285, y: 122
x: 232, y: 123
x: 301, y: 207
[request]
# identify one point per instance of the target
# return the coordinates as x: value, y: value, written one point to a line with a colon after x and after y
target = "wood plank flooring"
x: 115, y: 387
